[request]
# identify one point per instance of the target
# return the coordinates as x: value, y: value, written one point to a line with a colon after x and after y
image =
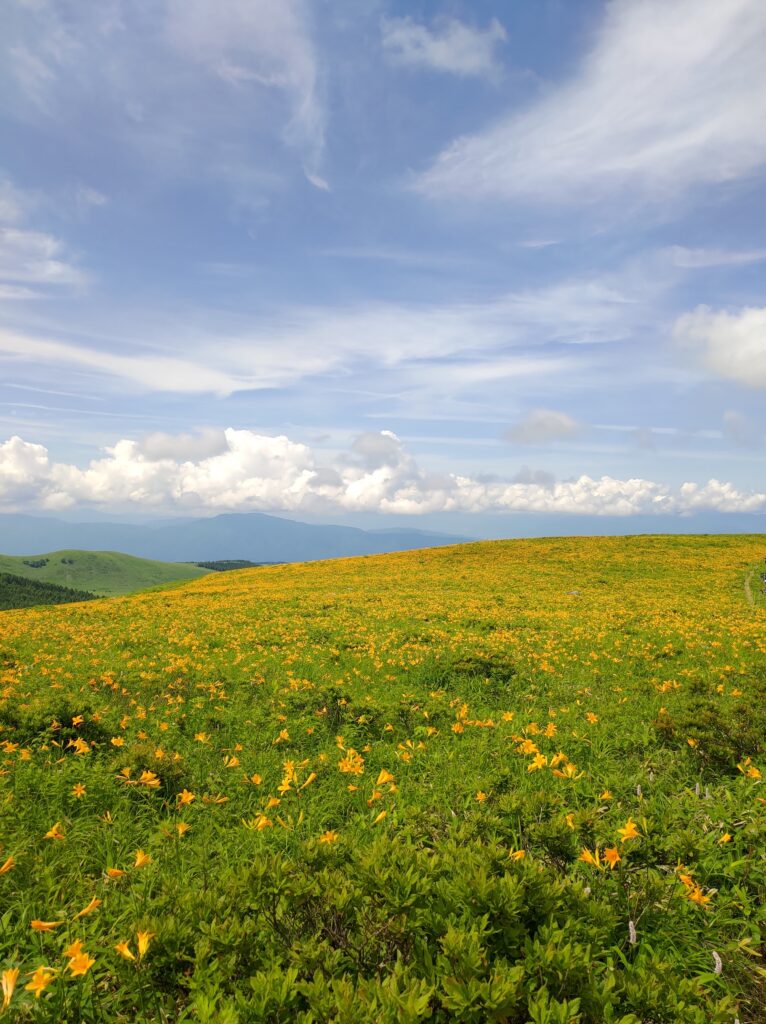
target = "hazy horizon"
x: 469, y: 527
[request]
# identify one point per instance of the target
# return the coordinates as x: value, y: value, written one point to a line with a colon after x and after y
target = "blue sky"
x: 366, y: 259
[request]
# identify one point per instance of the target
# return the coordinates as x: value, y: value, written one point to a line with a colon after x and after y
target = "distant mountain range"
x: 253, y: 536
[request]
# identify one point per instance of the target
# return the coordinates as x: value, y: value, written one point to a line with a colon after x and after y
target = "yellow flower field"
x: 515, y: 781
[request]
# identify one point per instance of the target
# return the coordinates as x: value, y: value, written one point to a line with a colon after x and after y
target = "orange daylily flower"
x: 696, y: 895
x: 80, y: 965
x: 629, y: 831
x: 591, y: 858
x: 90, y: 908
x: 41, y: 978
x: 9, y: 979
x: 539, y: 761
x: 612, y: 856
x: 144, y: 938
x: 73, y: 950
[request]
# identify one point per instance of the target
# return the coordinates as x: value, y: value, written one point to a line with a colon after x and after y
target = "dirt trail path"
x: 748, y: 589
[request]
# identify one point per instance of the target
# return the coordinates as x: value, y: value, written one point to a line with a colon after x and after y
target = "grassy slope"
x: 528, y: 699
x: 106, y: 573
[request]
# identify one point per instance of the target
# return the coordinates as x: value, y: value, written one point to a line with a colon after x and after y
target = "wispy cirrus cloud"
x: 190, y: 87
x: 14, y: 202
x: 146, y: 370
x: 703, y: 259
x: 252, y: 44
x: 447, y: 346
x: 655, y: 109
x: 31, y: 261
x: 34, y: 257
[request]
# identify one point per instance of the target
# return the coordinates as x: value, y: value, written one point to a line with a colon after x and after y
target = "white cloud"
x: 205, y: 443
x: 731, y: 345
x: 452, y: 346
x: 693, y: 259
x: 199, y: 89
x: 264, y: 43
x: 150, y: 371
x: 14, y: 203
x: 16, y: 293
x: 538, y: 243
x: 721, y: 497
x: 25, y: 472
x: 86, y: 196
x: 378, y: 448
x: 33, y: 257
x: 670, y: 96
x: 33, y: 73
x: 254, y: 471
x: 450, y: 46
x: 537, y: 477
x: 30, y: 257
x: 543, y: 425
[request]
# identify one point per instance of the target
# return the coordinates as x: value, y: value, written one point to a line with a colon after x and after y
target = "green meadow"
x: 106, y: 573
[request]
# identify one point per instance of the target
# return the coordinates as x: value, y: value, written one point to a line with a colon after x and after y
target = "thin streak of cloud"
x: 653, y: 111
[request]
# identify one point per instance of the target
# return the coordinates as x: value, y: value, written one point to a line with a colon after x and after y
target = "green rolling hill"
x: 106, y: 573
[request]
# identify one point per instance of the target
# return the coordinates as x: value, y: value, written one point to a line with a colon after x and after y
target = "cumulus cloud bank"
x: 244, y: 471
